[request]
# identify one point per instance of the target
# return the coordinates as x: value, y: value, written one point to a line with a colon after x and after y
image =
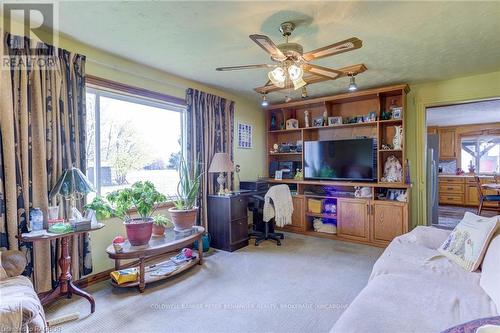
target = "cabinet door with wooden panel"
x: 298, y: 212
x: 352, y: 221
x: 447, y: 144
x: 388, y: 220
x: 471, y: 194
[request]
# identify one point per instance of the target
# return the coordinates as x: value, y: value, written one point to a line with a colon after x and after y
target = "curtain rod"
x: 136, y: 74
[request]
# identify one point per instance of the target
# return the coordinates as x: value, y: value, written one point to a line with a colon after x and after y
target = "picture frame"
x: 318, y: 122
x: 292, y: 124
x: 278, y: 175
x: 334, y: 121
x: 397, y: 113
x: 372, y: 115
x: 245, y: 136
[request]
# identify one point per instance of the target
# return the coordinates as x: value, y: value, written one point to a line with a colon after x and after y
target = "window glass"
x: 138, y: 140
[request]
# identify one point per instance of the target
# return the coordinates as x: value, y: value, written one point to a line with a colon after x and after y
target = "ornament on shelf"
x: 298, y: 175
x: 306, y: 118
x: 398, y: 137
x: 325, y: 118
x: 393, y: 171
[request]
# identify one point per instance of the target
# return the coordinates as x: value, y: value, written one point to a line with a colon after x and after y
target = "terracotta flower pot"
x: 183, y: 219
x: 158, y: 230
x: 139, y: 231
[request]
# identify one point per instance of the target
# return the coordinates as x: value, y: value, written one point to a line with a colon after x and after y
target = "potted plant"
x: 141, y: 197
x: 184, y: 213
x: 160, y: 222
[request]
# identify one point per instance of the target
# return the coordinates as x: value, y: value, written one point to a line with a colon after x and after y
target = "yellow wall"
x: 112, y: 67
x: 464, y: 89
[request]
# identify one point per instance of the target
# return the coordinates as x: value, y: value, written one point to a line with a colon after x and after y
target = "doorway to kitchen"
x: 463, y: 160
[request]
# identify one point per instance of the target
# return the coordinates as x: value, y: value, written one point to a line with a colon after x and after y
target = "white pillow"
x: 468, y: 242
x: 490, y: 275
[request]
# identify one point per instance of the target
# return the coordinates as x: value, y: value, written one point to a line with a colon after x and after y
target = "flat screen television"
x: 352, y: 159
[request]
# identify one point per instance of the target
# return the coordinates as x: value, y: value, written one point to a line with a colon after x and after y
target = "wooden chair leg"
x: 480, y: 207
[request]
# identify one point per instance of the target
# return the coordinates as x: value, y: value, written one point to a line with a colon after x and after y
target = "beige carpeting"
x: 304, y: 285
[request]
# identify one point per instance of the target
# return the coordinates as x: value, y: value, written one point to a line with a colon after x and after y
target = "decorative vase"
x: 158, y: 230
x: 398, y: 137
x: 306, y: 118
x: 183, y: 219
x: 139, y: 230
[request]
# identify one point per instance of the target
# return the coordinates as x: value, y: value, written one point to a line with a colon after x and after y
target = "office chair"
x: 262, y: 230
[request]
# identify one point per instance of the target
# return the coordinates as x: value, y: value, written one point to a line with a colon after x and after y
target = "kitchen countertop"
x: 445, y: 175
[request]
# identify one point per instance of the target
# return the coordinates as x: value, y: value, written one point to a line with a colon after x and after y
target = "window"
x: 482, y: 152
x: 132, y: 138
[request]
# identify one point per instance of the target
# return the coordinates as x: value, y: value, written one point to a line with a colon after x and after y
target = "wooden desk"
x: 171, y: 241
x: 65, y: 287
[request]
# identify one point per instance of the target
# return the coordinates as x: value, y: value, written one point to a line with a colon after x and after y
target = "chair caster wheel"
x: 278, y: 243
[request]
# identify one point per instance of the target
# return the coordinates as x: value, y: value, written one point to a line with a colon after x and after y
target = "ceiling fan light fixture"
x: 304, y: 92
x: 295, y: 72
x: 352, y: 84
x: 277, y: 77
x: 264, y: 102
x: 298, y: 83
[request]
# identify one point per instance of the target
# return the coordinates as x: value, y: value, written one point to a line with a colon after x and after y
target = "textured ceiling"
x: 403, y: 41
x: 464, y: 114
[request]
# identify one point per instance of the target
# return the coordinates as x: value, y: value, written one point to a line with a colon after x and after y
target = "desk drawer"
x: 446, y: 188
x: 239, y: 230
x: 239, y: 206
x: 451, y: 198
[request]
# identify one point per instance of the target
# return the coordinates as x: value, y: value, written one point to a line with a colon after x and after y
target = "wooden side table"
x: 65, y: 287
x: 169, y: 243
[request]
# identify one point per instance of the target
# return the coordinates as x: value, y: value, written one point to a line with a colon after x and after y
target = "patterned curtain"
x: 210, y: 129
x: 42, y: 132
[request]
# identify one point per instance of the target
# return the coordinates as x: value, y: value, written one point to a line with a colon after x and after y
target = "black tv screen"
x: 353, y: 159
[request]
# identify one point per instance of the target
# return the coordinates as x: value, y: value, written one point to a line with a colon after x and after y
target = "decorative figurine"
x: 273, y: 122
x: 398, y: 137
x: 393, y: 171
x: 472, y: 168
x: 325, y: 118
x: 298, y: 174
x: 306, y: 118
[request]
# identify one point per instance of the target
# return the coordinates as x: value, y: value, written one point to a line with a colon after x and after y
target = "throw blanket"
x: 281, y: 207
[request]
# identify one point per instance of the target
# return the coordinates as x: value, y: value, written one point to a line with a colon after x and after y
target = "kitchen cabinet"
x: 447, y: 144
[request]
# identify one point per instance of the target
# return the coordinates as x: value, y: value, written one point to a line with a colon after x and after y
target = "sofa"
x: 20, y: 307
x: 414, y: 289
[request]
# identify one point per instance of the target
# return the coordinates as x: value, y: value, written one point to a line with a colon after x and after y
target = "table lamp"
x: 72, y: 186
x: 221, y: 163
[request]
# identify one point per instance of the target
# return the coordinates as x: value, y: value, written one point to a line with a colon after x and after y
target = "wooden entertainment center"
x: 370, y: 220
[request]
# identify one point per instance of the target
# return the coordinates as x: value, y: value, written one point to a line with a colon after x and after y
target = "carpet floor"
x: 304, y: 285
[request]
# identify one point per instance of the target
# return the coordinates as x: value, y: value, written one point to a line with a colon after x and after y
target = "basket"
x: 315, y: 206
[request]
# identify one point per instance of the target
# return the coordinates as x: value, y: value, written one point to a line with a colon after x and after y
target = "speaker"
x: 273, y: 166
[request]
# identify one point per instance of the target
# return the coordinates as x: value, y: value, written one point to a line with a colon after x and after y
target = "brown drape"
x: 42, y: 132
x: 210, y: 129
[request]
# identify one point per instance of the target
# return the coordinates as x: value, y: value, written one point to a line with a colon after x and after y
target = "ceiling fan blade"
x: 337, y: 48
x: 267, y: 88
x: 233, y: 68
x: 329, y: 73
x: 268, y: 45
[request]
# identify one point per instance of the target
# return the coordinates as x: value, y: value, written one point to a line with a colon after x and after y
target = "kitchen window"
x: 132, y: 138
x: 483, y: 153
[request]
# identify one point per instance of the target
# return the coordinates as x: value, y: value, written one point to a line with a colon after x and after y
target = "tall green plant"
x: 189, y: 185
x: 141, y: 197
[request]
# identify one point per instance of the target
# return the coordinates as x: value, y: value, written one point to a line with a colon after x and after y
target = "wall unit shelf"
x: 359, y: 219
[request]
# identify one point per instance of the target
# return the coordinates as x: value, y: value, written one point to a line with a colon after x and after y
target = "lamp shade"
x: 71, y: 181
x: 221, y: 163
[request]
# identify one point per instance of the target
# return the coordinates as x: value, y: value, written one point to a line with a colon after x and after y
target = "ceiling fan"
x: 292, y: 67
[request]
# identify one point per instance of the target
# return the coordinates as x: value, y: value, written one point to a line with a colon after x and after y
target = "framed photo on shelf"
x: 397, y: 113
x: 292, y: 124
x: 318, y: 122
x: 244, y: 136
x: 372, y: 116
x: 278, y: 175
x: 334, y: 121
